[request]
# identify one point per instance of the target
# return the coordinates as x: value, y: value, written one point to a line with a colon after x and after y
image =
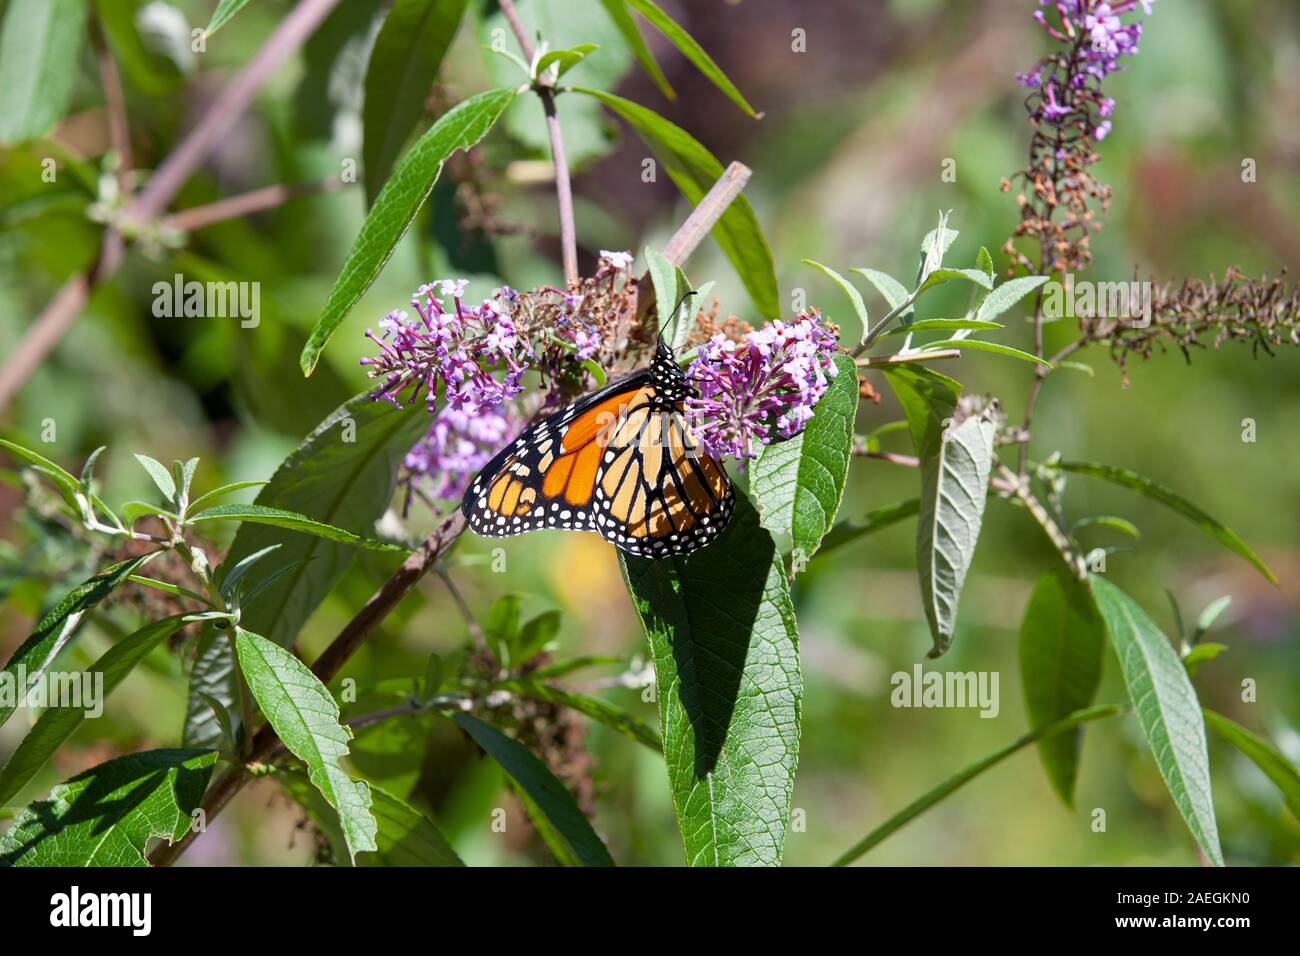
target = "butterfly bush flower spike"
x: 760, y: 389
x: 458, y: 345
x: 459, y: 443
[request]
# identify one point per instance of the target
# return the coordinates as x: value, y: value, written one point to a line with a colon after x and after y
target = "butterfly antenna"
x: 676, y: 313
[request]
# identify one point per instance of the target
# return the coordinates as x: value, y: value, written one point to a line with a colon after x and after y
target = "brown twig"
x: 563, y: 187
x: 258, y: 200
x: 119, y: 129
x: 176, y: 169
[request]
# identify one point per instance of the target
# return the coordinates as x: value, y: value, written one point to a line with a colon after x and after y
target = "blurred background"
x: 847, y: 170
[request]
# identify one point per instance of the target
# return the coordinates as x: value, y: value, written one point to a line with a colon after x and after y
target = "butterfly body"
x: 620, y: 462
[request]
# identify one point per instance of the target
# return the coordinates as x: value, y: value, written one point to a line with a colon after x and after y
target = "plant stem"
x: 119, y: 129
x: 876, y: 361
x: 471, y: 624
x: 1019, y: 485
x: 563, y: 188
x: 259, y: 200
x: 960, y: 779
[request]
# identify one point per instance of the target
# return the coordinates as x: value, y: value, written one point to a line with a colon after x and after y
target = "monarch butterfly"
x: 620, y: 462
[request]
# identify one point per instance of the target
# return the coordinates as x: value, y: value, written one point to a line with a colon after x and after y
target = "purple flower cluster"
x: 459, y: 443
x: 750, y: 393
x: 461, y: 347
x: 1097, y: 38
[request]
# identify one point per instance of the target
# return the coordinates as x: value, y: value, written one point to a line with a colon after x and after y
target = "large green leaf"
x: 692, y: 51
x: 1167, y: 709
x: 306, y: 717
x: 60, y: 625
x: 556, y: 804
x: 291, y: 521
x: 956, y: 458
x: 694, y: 169
x: 1062, y: 638
x: 40, y: 44
x: 405, y: 836
x: 1263, y: 754
x: 212, y: 678
x: 396, y: 205
x: 722, y: 634
x: 1144, y: 486
x: 105, y: 816
x: 798, y: 483
x: 403, y: 65
x: 56, y: 724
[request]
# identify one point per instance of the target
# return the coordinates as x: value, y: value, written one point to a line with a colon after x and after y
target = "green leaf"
x: 850, y: 290
x: 1208, y: 616
x: 940, y: 276
x: 617, y: 11
x: 548, y: 795
x: 56, y: 724
x: 404, y: 64
x: 694, y: 169
x: 956, y: 461
x: 161, y: 477
x: 107, y: 815
x: 396, y: 205
x: 1143, y: 486
x: 40, y: 46
x: 722, y: 634
x: 891, y: 290
x: 565, y: 60
x: 305, y: 716
x: 1008, y: 294
x: 847, y: 532
x: 931, y: 325
x: 965, y: 776
x: 280, y: 518
x: 663, y: 277
x: 1108, y: 521
x: 994, y: 347
x: 1263, y: 754
x: 1062, y: 639
x: 225, y: 11
x: 66, y: 483
x: 798, y: 483
x: 933, y: 254
x: 692, y: 51
x: 1167, y: 709
x: 57, y: 628
x: 984, y: 262
x: 404, y: 835
x: 212, y: 677
x: 224, y: 490
x: 597, y: 708
x: 1200, y: 655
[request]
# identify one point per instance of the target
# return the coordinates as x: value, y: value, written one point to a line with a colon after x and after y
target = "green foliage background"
x: 847, y: 165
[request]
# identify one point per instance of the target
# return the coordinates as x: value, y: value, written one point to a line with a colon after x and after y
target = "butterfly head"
x: 668, y: 378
